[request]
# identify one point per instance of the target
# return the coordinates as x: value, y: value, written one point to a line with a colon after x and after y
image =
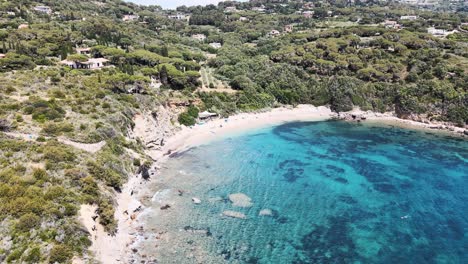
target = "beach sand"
x: 118, y: 248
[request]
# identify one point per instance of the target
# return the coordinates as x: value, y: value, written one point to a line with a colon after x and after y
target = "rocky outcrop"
x: 152, y: 128
x: 240, y: 200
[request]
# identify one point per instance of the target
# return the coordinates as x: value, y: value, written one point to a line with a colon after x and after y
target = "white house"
x: 274, y: 33
x: 230, y: 9
x: 23, y: 26
x: 440, y: 32
x: 130, y: 17
x: 408, y: 17
x: 199, y: 37
x: 2, y: 55
x: 91, y: 64
x: 243, y: 19
x: 215, y: 45
x: 178, y: 16
x: 11, y: 13
x: 43, y: 9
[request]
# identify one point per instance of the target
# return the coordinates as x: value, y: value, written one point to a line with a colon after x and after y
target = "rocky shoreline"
x: 160, y: 137
x: 414, y: 122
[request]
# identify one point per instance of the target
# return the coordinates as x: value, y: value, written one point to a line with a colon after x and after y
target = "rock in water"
x: 266, y: 212
x: 240, y: 200
x: 195, y: 200
x: 234, y: 214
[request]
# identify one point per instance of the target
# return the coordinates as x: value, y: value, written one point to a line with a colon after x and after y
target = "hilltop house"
x: 288, y: 28
x: 91, y: 64
x: 43, y: 9
x: 199, y: 37
x: 243, y: 19
x: 2, y: 55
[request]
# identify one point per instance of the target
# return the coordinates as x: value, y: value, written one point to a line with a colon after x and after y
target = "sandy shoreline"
x: 118, y: 248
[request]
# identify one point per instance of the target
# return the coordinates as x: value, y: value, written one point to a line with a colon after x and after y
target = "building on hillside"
x: 391, y: 24
x: 308, y: 14
x: 230, y: 9
x: 91, y: 64
x: 130, y: 17
x: 83, y: 51
x: 23, y: 26
x: 408, y: 17
x: 2, y: 55
x: 274, y: 33
x: 288, y: 28
x: 259, y: 9
x: 178, y: 16
x: 440, y: 32
x: 11, y: 13
x: 215, y: 45
x: 43, y: 9
x: 243, y: 19
x: 199, y: 37
x: 207, y: 115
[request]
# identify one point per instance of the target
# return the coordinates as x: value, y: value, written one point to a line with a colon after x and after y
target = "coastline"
x: 118, y: 248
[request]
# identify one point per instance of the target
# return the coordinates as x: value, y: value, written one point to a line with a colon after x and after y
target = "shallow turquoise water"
x: 339, y: 193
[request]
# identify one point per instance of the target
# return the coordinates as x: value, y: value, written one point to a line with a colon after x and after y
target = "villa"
x: 91, y: 64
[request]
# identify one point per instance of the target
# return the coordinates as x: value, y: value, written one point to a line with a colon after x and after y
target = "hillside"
x: 74, y: 74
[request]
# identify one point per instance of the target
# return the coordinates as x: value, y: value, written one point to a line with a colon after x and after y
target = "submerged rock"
x: 240, y: 200
x: 234, y: 214
x: 266, y: 212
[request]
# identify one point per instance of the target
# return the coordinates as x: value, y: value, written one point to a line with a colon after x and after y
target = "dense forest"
x: 80, y: 71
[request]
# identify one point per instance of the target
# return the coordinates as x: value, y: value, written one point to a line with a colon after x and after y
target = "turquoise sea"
x: 338, y: 192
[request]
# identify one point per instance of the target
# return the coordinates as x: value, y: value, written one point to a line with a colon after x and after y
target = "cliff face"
x: 152, y: 128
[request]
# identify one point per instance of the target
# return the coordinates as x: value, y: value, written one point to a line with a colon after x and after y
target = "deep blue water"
x: 339, y: 192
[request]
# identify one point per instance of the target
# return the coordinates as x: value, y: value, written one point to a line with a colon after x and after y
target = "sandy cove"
x: 118, y: 248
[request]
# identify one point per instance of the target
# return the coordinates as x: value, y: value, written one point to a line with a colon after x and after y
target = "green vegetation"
x: 342, y: 56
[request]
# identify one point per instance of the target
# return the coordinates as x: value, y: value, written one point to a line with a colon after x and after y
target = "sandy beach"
x: 118, y: 248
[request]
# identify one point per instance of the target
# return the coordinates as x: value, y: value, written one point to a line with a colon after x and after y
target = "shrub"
x: 60, y: 254
x: 186, y: 119
x: 27, y: 222
x: 34, y: 255
x: 193, y: 111
x: 136, y: 162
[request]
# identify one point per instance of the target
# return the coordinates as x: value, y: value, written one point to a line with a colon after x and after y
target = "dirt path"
x: 91, y: 148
